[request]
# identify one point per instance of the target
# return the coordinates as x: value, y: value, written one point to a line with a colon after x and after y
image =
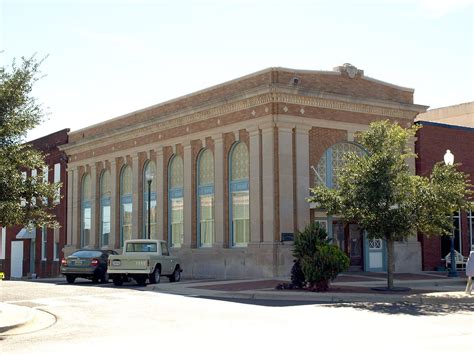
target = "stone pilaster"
x: 160, y: 203
x: 187, y: 194
x: 114, y: 237
x: 255, y: 186
x: 302, y: 176
x: 76, y: 221
x: 285, y: 178
x: 268, y: 183
x: 70, y: 204
x: 94, y: 242
x: 135, y: 198
x: 219, y: 190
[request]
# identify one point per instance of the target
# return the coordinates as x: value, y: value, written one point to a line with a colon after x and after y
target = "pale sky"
x: 109, y: 58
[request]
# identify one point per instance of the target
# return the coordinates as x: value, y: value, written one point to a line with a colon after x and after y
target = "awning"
x: 26, y: 234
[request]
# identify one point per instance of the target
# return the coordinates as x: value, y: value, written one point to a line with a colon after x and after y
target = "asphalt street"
x: 84, y: 318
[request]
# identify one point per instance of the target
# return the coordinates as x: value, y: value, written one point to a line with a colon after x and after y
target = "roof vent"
x: 294, y: 81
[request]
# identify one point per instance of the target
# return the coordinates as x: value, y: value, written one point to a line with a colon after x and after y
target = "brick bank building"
x: 231, y: 167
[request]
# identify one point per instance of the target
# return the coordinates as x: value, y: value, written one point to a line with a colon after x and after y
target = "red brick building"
x: 232, y: 166
x: 446, y: 128
x: 24, y: 253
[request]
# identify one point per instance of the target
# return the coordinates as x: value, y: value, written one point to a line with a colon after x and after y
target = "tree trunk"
x: 390, y: 262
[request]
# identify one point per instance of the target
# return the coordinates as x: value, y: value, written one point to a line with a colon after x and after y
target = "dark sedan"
x: 87, y: 263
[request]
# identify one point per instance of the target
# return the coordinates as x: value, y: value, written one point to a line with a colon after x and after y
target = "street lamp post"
x: 449, y: 160
x: 149, y: 178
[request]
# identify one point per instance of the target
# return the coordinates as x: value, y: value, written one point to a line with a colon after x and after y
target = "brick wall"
x: 432, y: 142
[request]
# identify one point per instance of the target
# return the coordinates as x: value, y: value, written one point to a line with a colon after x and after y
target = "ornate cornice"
x: 270, y: 95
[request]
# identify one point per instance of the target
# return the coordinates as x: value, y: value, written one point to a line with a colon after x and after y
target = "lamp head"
x: 448, y: 158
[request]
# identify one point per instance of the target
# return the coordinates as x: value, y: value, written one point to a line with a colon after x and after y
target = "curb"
x: 16, y: 316
x: 426, y: 298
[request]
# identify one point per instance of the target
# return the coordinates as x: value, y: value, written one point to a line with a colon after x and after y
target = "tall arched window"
x: 326, y: 172
x: 86, y: 210
x: 125, y: 204
x: 175, y: 203
x: 239, y: 195
x: 105, y: 193
x: 205, y: 198
x: 150, y: 170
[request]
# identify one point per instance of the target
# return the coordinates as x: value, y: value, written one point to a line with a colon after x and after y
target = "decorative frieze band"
x: 172, y: 121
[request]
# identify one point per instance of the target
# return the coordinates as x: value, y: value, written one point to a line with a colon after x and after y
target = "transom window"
x: 333, y: 159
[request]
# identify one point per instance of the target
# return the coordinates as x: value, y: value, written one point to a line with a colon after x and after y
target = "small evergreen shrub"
x: 320, y: 260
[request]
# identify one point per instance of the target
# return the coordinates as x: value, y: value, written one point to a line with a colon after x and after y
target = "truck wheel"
x: 176, y: 277
x: 141, y: 280
x: 118, y: 280
x: 70, y: 279
x: 155, y: 276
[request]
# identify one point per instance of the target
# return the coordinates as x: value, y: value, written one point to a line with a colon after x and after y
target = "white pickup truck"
x: 144, y: 259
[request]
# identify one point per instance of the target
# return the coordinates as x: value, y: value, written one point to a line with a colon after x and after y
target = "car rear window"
x: 87, y: 254
x: 141, y: 247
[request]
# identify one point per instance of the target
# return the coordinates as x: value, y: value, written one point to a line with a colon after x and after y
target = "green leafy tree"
x: 23, y: 201
x: 378, y: 191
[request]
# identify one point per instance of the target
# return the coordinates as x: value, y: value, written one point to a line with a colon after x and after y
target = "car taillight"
x: 63, y: 262
x: 94, y: 262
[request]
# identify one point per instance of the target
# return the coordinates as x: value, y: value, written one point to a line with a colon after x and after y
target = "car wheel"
x: 155, y: 276
x: 70, y: 279
x: 176, y: 277
x: 104, y: 278
x: 118, y: 280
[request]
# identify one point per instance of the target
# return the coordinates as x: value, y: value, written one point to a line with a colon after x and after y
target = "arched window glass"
x: 205, y: 198
x: 175, y: 204
x: 333, y: 159
x: 150, y: 170
x: 105, y: 193
x: 86, y: 210
x: 126, y: 205
x: 239, y: 195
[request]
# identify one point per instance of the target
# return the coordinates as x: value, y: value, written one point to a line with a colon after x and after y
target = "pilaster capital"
x: 285, y: 126
x: 302, y: 128
x: 217, y: 138
x: 267, y: 126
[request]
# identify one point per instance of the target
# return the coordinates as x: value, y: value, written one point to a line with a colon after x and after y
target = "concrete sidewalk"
x: 425, y: 287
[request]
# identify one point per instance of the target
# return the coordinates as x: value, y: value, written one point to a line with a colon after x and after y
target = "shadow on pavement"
x: 412, y: 309
x: 262, y: 302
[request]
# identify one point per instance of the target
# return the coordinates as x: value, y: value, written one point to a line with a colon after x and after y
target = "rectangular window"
x: 3, y: 240
x: 87, y: 225
x: 240, y: 218
x: 105, y: 217
x: 206, y: 231
x: 457, y: 232
x: 126, y: 221
x: 152, y: 215
x: 56, y: 251
x: 45, y: 181
x: 177, y: 226
x: 44, y: 235
x: 470, y: 227
x: 57, y: 179
x: 33, y: 175
x: 22, y: 200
